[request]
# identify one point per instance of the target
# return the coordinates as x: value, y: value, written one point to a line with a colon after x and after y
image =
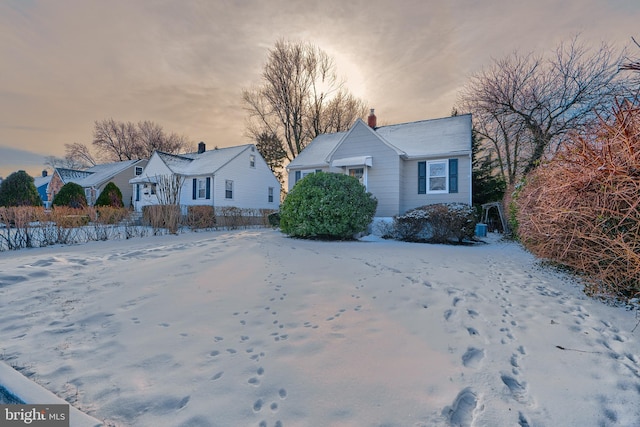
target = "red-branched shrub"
x: 581, y: 209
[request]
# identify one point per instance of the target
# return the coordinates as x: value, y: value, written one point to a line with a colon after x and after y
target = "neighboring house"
x: 404, y: 166
x: 233, y: 176
x: 41, y: 183
x: 94, y: 179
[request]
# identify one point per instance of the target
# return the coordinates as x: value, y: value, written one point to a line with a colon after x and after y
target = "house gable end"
x: 361, y: 126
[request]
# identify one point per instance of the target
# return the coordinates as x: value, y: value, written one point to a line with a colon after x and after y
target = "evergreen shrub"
x: 18, y: 189
x: 71, y: 195
x: 274, y: 219
x: 110, y: 196
x: 327, y: 206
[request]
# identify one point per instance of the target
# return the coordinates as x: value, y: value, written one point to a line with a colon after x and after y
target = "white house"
x: 233, y: 176
x: 404, y: 165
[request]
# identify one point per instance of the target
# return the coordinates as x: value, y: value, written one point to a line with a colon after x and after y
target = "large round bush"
x: 327, y: 206
x: 19, y: 190
x: 110, y: 196
x: 72, y: 195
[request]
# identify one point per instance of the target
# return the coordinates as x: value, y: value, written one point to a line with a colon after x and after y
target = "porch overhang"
x: 353, y: 161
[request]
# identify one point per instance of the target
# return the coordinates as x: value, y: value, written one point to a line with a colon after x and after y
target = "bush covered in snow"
x: 438, y: 223
x: 328, y: 206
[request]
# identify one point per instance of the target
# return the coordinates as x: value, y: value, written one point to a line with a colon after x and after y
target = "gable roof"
x: 423, y: 138
x: 430, y: 137
x: 41, y: 181
x: 95, y: 175
x: 205, y: 163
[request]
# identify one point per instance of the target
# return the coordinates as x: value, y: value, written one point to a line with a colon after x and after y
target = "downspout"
x: 471, y: 179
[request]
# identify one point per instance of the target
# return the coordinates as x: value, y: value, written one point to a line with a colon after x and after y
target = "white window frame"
x: 138, y: 170
x: 228, y: 187
x: 202, y: 188
x: 365, y: 170
x: 431, y: 164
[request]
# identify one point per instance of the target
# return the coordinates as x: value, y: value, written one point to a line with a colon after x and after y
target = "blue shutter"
x: 453, y: 175
x: 195, y: 189
x: 297, y: 176
x: 422, y: 177
x: 208, y: 196
x: 137, y: 192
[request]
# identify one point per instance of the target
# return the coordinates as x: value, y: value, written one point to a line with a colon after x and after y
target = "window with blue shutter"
x: 453, y: 175
x: 422, y: 177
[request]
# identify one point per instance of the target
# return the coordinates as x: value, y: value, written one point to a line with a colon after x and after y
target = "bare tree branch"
x: 526, y: 104
x: 300, y: 98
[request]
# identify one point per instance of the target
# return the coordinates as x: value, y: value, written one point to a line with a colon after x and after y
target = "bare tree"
x: 526, y: 104
x: 152, y: 137
x: 632, y: 65
x: 168, y: 189
x: 79, y: 154
x: 299, y: 95
x: 117, y: 141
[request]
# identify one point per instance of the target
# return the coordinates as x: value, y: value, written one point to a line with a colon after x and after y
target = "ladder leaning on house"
x: 503, y: 219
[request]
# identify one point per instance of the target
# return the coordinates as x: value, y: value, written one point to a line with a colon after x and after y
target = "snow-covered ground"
x: 251, y: 328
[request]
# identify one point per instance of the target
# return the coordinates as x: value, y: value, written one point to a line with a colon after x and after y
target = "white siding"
x: 155, y: 167
x: 250, y: 185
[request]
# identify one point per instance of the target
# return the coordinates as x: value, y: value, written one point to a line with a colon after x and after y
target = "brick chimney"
x: 201, y: 147
x: 372, y: 121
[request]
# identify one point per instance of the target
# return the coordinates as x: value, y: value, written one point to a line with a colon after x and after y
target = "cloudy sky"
x: 183, y: 63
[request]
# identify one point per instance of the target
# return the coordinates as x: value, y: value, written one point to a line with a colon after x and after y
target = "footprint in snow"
x: 460, y: 414
x: 517, y: 389
x: 472, y: 357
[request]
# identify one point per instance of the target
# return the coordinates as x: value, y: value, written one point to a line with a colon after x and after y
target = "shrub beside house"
x: 95, y: 179
x: 404, y: 166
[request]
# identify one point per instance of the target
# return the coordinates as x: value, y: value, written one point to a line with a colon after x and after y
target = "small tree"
x: 72, y: 195
x: 19, y: 190
x: 110, y: 196
x: 327, y: 205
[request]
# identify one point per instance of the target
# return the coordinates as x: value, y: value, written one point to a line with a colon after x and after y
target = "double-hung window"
x: 202, y: 188
x: 228, y: 189
x: 438, y: 176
